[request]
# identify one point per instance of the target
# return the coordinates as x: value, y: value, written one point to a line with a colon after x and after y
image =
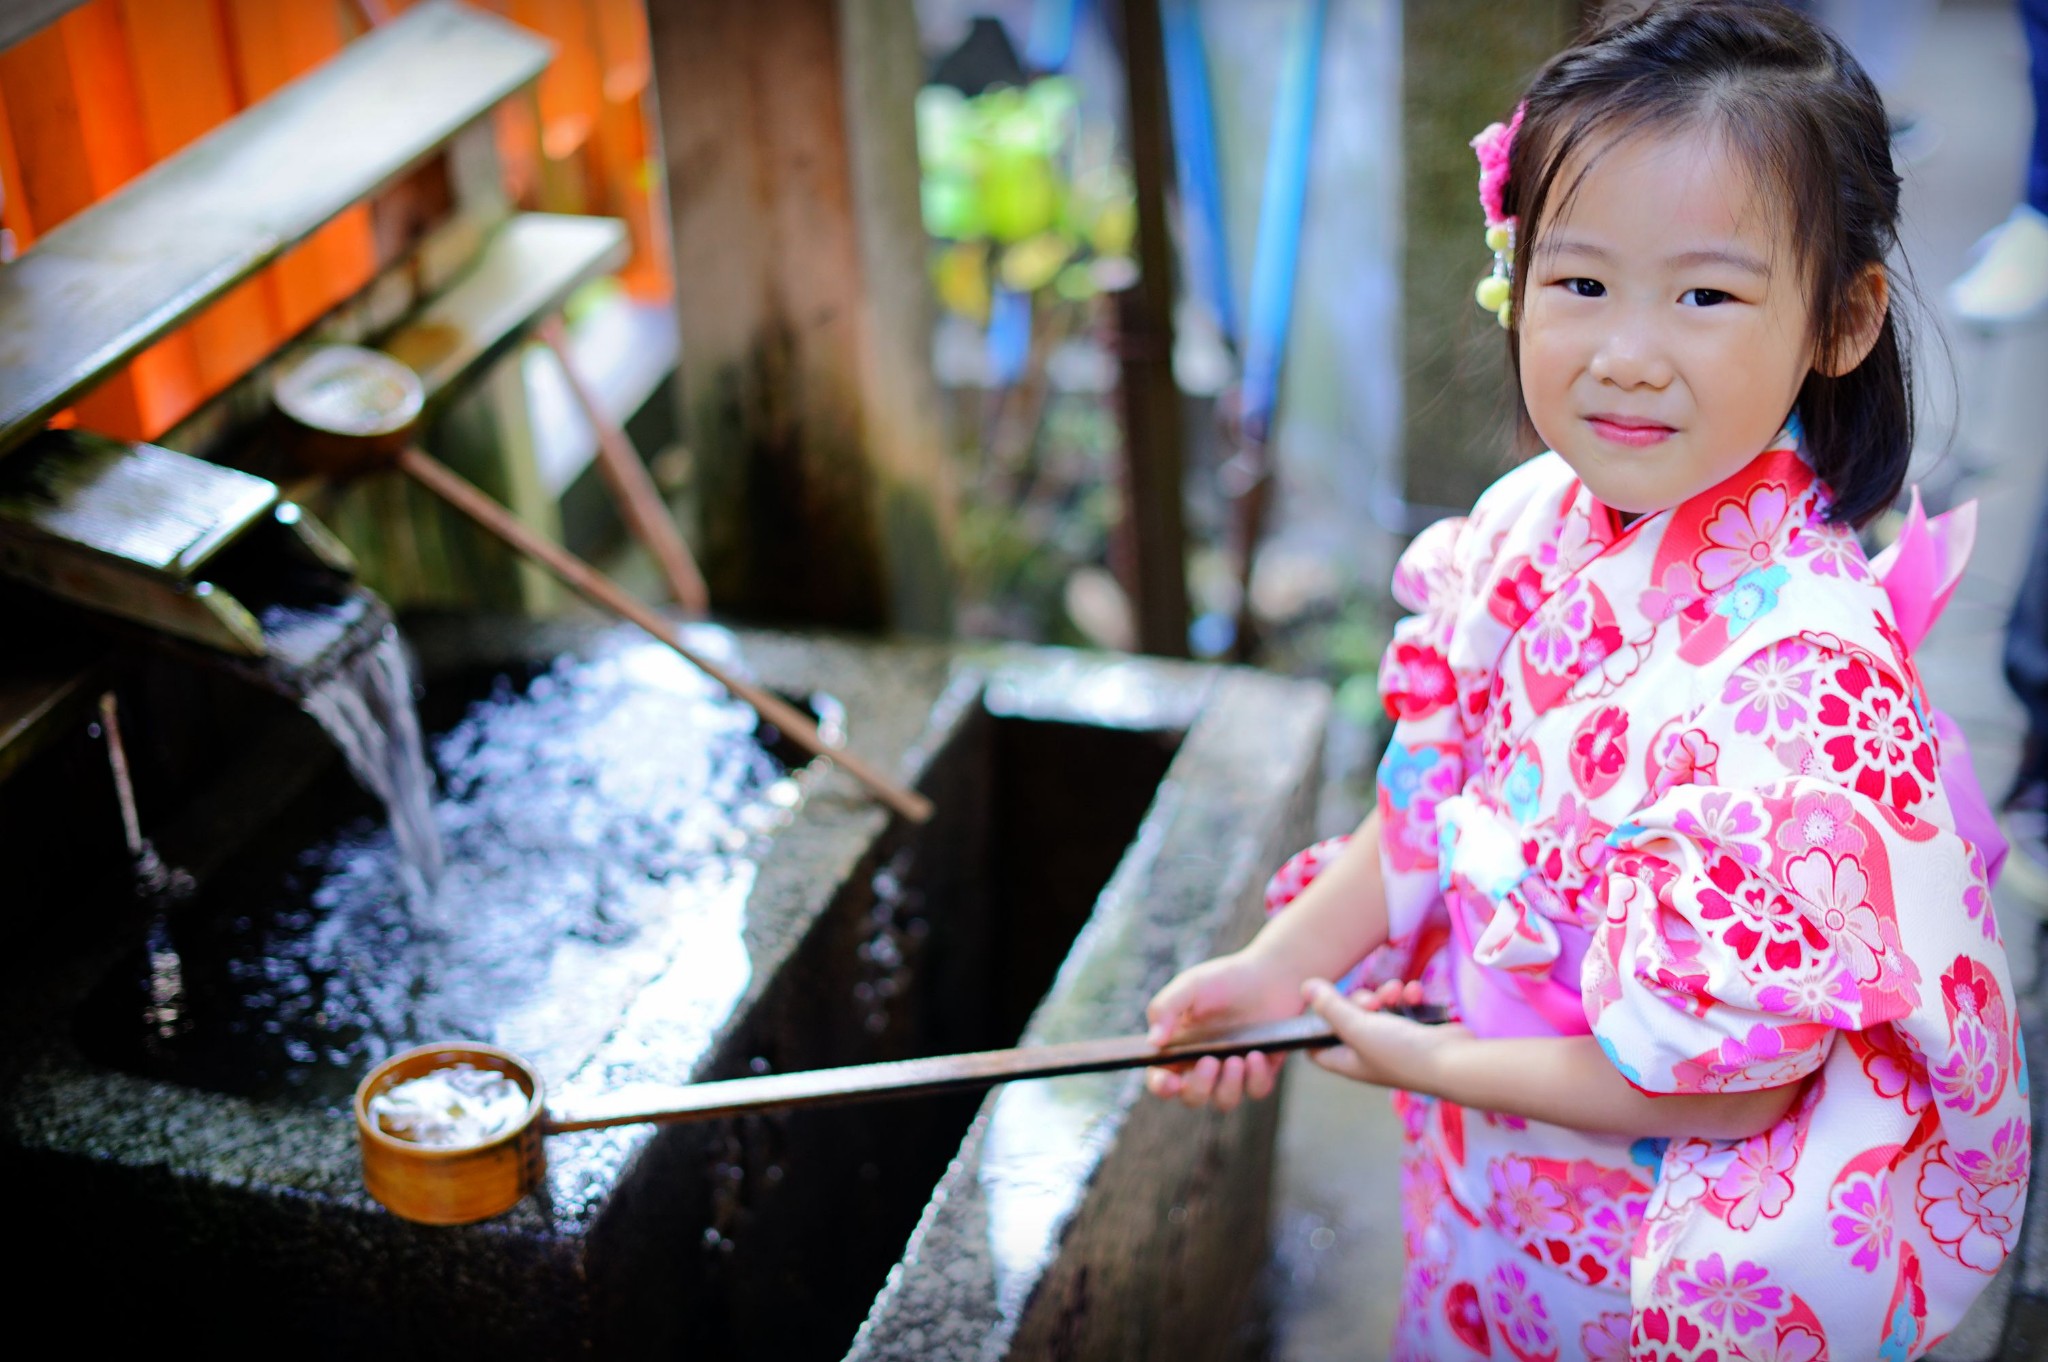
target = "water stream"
x: 347, y: 667
x: 367, y: 707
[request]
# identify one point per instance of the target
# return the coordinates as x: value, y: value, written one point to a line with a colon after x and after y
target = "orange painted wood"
x: 622, y: 48
x: 77, y: 126
x: 13, y: 204
x: 630, y: 179
x: 185, y: 85
x: 274, y: 42
x: 572, y: 88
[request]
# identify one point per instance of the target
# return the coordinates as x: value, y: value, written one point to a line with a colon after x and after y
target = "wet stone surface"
x: 637, y: 893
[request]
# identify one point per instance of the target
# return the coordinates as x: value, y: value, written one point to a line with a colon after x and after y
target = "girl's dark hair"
x: 1794, y: 105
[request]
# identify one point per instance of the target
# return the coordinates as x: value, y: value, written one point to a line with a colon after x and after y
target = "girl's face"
x: 1664, y: 330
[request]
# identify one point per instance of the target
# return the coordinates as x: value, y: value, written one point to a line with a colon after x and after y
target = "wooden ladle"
x: 456, y: 1185
x: 358, y: 410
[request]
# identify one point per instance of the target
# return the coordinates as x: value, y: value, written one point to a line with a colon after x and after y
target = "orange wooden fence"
x: 117, y: 85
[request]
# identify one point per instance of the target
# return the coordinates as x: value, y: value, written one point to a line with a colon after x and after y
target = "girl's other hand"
x: 1217, y: 995
x: 1391, y: 1051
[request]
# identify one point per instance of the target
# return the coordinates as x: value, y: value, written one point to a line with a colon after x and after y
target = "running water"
x: 367, y: 707
x: 342, y: 660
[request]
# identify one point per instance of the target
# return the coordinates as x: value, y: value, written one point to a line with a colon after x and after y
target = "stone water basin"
x: 638, y: 891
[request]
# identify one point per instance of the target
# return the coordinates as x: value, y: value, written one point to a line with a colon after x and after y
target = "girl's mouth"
x: 1625, y: 430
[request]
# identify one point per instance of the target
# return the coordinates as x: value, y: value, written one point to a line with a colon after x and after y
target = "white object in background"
x: 2009, y: 282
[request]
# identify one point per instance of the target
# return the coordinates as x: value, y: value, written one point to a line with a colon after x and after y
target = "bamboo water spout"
x: 358, y: 409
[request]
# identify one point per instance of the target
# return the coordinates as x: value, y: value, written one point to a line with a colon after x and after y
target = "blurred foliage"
x: 1012, y: 196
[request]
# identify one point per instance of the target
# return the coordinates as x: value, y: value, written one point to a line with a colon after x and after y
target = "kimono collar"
x: 1773, y: 495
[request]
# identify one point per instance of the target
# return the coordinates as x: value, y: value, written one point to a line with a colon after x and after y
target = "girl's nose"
x: 1629, y: 356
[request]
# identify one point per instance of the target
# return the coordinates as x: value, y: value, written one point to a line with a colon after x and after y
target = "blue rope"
x: 1194, y: 155
x: 1278, y: 252
x: 1051, y: 41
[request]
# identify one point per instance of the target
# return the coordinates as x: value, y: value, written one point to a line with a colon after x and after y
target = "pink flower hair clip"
x: 1494, y: 147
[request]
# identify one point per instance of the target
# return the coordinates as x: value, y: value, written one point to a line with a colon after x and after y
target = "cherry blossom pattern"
x: 1517, y: 594
x: 1519, y: 1309
x: 1970, y: 1199
x: 1772, y: 690
x: 1766, y: 928
x: 1731, y: 822
x: 1739, y: 536
x: 1829, y: 551
x: 1874, y: 739
x: 1894, y: 1066
x: 1820, y: 820
x: 1860, y: 1217
x: 1599, y: 751
x: 1758, y: 1182
x: 1735, y: 1298
x: 1553, y: 637
x: 1606, y: 1338
x: 1972, y: 1074
x: 1416, y: 681
x: 1525, y: 1204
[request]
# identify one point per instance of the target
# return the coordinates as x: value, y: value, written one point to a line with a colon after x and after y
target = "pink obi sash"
x: 1919, y: 572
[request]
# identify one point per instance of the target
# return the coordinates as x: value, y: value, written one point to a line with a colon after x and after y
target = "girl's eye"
x: 1586, y: 288
x: 1705, y: 297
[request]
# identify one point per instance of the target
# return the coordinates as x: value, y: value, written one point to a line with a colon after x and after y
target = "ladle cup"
x: 358, y: 409
x: 456, y: 1185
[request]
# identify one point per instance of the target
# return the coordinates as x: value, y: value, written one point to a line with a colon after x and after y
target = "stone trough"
x: 173, y: 1115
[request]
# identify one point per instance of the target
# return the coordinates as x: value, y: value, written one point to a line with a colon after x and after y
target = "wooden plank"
x: 805, y: 307
x: 21, y: 19
x: 526, y: 273
x: 185, y: 84
x: 274, y: 43
x: 77, y: 124
x: 42, y: 692
x: 415, y: 551
x: 1149, y: 549
x: 96, y: 290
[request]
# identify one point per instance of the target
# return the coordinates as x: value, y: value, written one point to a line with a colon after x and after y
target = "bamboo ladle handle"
x: 600, y: 590
x: 638, y: 500
x: 910, y: 1077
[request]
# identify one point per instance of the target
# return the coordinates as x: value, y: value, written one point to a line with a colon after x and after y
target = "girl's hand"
x: 1388, y: 1050
x: 1216, y: 995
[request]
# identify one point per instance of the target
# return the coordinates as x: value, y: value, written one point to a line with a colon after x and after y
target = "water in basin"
x: 595, y: 813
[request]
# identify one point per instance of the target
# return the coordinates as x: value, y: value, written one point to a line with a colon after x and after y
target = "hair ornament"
x: 1494, y: 147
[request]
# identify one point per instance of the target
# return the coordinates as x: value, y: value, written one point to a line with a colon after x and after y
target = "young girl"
x: 1664, y: 816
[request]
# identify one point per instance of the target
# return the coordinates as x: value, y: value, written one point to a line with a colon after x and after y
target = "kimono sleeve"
x: 1425, y: 758
x: 1743, y: 930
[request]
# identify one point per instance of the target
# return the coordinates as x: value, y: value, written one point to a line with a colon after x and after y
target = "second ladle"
x: 453, y: 1185
x: 358, y: 409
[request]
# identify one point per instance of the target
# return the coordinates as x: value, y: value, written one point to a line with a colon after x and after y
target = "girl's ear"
x: 1863, y: 313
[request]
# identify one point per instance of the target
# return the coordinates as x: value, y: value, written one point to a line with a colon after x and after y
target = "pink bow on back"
x: 1919, y: 573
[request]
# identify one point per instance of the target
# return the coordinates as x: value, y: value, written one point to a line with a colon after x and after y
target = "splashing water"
x: 602, y: 821
x: 367, y: 707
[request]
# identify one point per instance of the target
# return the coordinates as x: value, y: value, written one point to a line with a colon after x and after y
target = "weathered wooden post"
x: 1464, y: 62
x: 1151, y: 543
x: 804, y: 307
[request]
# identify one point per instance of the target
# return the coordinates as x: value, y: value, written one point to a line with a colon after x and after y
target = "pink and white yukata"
x: 1676, y: 785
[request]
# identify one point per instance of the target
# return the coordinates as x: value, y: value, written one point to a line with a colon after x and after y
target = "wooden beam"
x: 122, y: 273
x: 23, y: 18
x: 1149, y: 547
x: 804, y: 308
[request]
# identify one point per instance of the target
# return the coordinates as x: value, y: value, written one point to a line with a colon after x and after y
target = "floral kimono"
x: 1676, y: 785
